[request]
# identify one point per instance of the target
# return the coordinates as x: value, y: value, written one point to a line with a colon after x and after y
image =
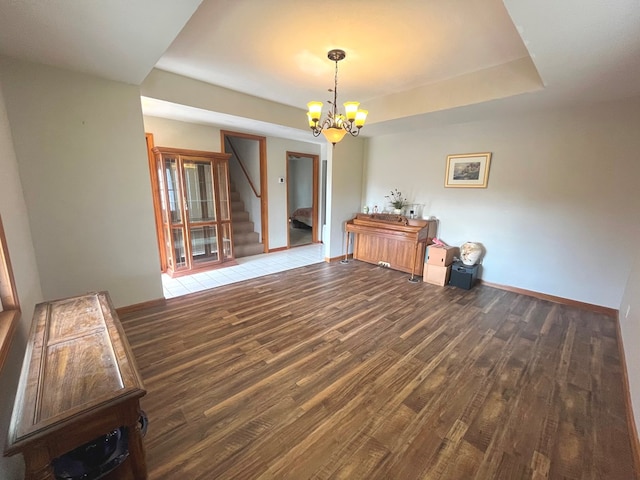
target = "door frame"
x: 155, y: 195
x: 264, y: 205
x: 315, y: 189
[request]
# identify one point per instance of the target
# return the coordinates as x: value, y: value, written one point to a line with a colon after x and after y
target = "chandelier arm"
x: 328, y: 123
x: 348, y: 125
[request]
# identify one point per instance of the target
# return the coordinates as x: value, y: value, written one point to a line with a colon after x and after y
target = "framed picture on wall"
x: 469, y: 170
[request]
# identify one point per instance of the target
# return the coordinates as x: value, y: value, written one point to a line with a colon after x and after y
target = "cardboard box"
x: 441, y: 256
x: 436, y: 275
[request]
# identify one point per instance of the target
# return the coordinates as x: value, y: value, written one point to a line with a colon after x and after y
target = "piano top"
x: 391, y: 225
x: 388, y: 220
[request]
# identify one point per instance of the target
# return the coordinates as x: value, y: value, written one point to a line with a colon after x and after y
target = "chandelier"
x: 336, y: 125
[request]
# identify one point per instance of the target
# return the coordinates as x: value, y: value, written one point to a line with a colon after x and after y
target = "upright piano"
x: 393, y: 241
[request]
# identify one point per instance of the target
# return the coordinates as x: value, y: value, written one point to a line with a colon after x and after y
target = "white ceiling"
x: 270, y: 50
x: 582, y: 50
x: 115, y: 39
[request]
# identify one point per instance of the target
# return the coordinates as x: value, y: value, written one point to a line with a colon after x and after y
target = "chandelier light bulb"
x: 351, y: 109
x: 361, y: 117
x: 315, y: 111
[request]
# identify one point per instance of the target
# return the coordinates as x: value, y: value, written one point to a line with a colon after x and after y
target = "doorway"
x: 302, y: 198
x: 248, y: 169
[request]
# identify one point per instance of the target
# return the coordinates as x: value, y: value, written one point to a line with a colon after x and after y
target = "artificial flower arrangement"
x: 396, y: 199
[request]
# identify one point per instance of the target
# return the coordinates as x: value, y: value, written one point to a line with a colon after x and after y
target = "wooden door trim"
x: 315, y: 191
x: 315, y: 234
x: 264, y: 204
x: 155, y: 195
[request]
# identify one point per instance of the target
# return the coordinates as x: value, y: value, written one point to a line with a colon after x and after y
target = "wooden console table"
x: 79, y: 381
x: 396, y: 241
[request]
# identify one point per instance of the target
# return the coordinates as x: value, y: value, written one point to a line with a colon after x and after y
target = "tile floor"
x: 248, y: 267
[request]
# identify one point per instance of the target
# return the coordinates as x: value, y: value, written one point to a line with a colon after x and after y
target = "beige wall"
x: 560, y: 213
x: 82, y: 160
x: 15, y: 220
x: 181, y: 90
x: 176, y: 134
x: 344, y: 184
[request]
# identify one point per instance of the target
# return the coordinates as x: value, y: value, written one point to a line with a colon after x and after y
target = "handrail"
x: 246, y: 174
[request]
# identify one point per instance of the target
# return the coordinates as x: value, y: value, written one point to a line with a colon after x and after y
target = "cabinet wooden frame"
x: 221, y: 198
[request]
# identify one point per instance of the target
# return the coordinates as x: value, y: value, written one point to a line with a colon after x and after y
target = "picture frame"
x: 468, y: 170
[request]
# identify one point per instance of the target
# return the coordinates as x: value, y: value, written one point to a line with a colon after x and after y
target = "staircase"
x: 245, y: 239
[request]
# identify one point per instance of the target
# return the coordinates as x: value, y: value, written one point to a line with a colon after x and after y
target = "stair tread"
x: 245, y: 238
x: 246, y: 226
x: 248, y: 250
x: 240, y: 216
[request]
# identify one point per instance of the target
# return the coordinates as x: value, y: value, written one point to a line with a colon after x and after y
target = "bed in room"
x: 302, y: 217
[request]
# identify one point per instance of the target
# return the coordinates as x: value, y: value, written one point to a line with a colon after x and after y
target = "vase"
x: 397, y: 211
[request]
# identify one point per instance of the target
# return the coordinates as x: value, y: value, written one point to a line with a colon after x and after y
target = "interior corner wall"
x: 79, y: 142
x: 15, y: 219
x: 560, y: 213
x: 344, y: 182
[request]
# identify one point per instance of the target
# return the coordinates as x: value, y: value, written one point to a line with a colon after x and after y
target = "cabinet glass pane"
x: 167, y: 246
x: 227, y: 249
x: 225, y: 207
x: 198, y: 177
x: 204, y: 244
x: 171, y: 173
x: 162, y: 187
x: 180, y: 255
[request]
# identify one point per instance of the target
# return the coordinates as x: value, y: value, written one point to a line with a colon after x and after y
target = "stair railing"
x: 244, y: 170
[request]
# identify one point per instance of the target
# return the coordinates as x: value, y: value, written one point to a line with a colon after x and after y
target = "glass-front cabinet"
x: 195, y: 208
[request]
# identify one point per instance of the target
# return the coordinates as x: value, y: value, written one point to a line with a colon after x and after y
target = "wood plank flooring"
x: 351, y: 372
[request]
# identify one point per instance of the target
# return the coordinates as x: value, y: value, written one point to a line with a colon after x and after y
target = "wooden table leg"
x: 346, y: 250
x: 38, y: 464
x: 412, y: 278
x: 136, y: 452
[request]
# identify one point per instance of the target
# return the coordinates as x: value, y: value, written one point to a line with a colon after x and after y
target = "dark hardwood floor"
x: 351, y: 372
